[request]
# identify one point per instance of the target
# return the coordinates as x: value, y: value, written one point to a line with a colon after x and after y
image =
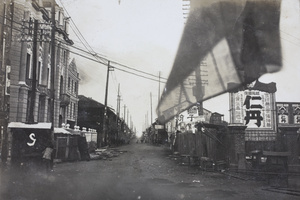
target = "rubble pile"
x: 105, y: 153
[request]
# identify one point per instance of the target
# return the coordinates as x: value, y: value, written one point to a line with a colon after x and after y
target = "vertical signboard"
x: 283, y: 113
x: 288, y: 113
x: 296, y: 113
x: 256, y: 110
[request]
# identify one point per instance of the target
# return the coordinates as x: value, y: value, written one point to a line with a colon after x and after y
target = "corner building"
x: 20, y: 59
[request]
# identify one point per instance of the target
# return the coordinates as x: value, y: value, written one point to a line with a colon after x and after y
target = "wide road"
x: 141, y: 171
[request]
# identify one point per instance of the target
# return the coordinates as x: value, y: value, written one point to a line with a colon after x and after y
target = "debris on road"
x: 105, y: 153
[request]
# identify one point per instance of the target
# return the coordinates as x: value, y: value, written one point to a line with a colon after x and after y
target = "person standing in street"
x: 47, y: 157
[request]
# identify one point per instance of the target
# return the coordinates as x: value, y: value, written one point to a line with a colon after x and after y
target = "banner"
x: 223, y: 41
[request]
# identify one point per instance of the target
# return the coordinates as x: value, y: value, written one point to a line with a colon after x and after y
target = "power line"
x: 111, y: 66
x: 100, y: 61
x: 93, y: 53
x: 91, y: 49
x: 104, y: 63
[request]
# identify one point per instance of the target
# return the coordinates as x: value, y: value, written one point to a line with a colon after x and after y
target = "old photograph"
x: 149, y: 99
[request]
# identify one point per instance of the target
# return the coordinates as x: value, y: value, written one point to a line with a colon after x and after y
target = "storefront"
x: 28, y: 143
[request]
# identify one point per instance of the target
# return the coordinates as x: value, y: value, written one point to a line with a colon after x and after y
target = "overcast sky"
x: 144, y: 34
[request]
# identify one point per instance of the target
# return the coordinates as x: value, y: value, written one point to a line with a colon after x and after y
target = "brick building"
x: 18, y: 19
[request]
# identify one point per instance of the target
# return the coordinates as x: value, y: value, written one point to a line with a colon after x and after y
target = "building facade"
x: 20, y: 59
x: 69, y: 95
x: 26, y: 44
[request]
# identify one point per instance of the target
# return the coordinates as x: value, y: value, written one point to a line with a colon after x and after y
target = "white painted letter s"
x: 32, y: 137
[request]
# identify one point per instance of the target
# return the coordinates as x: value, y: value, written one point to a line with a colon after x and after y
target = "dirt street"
x: 141, y: 171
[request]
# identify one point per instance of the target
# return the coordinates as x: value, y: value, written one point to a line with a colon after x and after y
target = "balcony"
x: 64, y: 99
x: 44, y: 90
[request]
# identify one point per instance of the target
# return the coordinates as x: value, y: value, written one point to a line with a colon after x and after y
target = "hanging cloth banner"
x: 224, y: 41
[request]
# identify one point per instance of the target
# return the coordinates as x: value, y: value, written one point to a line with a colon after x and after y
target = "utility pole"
x: 127, y: 117
x: 52, y: 86
x: 34, y: 67
x: 105, y: 107
x: 118, y: 101
x: 118, y: 111
x: 131, y: 125
x: 4, y: 114
x: 158, y: 86
x: 124, y: 112
x: 151, y: 106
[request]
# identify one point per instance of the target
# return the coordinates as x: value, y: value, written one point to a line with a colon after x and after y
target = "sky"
x: 145, y: 34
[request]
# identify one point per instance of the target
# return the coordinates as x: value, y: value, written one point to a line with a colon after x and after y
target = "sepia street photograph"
x: 149, y: 99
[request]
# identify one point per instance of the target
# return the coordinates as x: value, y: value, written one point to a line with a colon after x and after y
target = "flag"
x: 223, y: 42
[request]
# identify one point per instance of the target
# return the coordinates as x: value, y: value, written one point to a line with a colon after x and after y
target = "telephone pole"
x: 118, y: 101
x: 118, y: 111
x: 34, y: 67
x: 124, y: 112
x: 127, y: 117
x: 158, y: 86
x: 151, y: 106
x: 105, y: 107
x: 4, y: 98
x: 52, y: 86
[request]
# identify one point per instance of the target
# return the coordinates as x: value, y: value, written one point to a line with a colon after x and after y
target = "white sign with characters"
x: 253, y: 108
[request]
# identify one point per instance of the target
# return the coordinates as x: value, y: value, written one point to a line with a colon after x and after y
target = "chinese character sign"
x: 187, y: 119
x: 296, y: 113
x: 283, y: 113
x: 253, y: 108
x: 288, y: 113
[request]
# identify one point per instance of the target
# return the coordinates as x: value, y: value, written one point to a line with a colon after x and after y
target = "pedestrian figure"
x: 47, y: 157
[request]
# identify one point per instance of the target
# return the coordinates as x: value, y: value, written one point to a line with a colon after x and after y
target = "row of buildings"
x: 261, y: 134
x: 39, y: 79
x: 39, y: 83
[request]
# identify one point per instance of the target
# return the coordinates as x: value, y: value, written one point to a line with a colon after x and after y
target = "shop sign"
x: 288, y: 113
x: 253, y: 108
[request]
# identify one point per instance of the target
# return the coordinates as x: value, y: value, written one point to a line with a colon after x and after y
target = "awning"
x: 74, y: 132
x: 29, y: 126
x: 61, y: 130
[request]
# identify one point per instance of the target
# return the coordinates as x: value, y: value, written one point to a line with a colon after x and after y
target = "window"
x: 28, y: 105
x: 61, y: 85
x: 28, y: 66
x: 39, y: 72
x: 69, y: 82
x: 59, y: 17
x: 75, y: 88
x: 41, y: 112
x: 74, y: 111
x: 72, y: 86
x: 65, y: 58
x: 66, y: 28
x: 48, y: 77
x: 49, y: 110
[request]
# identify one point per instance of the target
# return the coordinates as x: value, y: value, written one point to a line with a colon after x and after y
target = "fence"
x: 208, y: 145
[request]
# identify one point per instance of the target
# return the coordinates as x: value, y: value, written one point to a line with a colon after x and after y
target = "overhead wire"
x: 101, y: 62
x: 91, y: 50
x: 115, y: 62
x: 92, y: 59
x: 95, y: 54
